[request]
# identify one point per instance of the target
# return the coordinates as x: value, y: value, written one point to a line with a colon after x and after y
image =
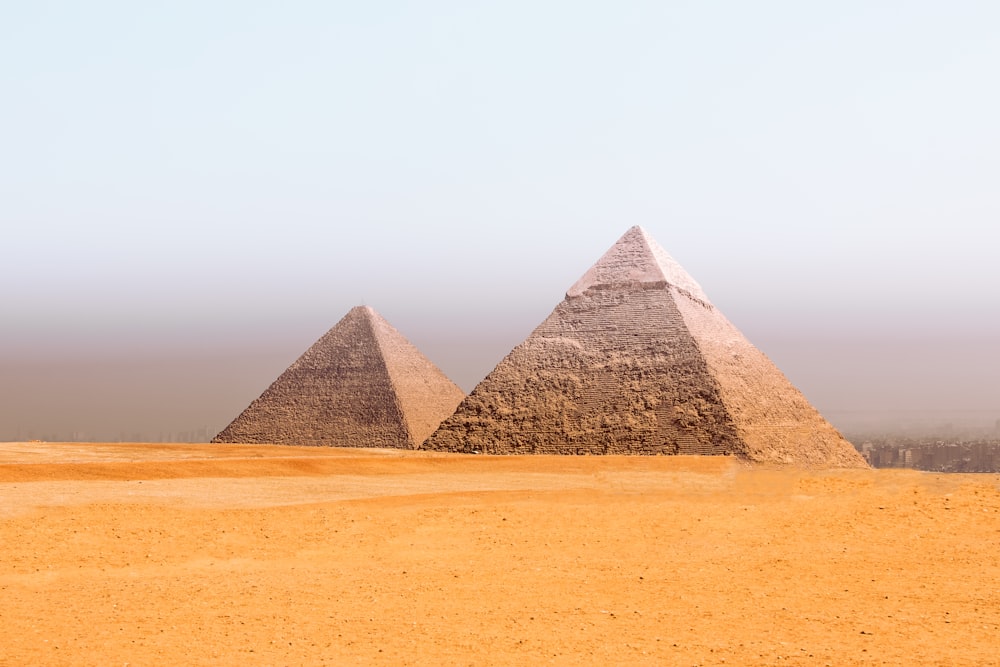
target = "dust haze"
x: 188, y: 394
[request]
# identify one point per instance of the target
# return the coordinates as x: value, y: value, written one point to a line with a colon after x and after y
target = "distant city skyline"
x: 192, y: 194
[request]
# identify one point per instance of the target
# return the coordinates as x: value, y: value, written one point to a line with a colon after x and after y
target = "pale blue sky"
x: 192, y: 192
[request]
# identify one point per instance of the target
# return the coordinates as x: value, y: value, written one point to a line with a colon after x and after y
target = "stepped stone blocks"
x: 636, y: 360
x: 360, y: 385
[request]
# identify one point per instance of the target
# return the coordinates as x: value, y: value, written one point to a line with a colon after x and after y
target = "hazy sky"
x: 191, y: 193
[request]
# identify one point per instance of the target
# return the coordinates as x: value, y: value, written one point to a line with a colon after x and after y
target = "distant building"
x: 933, y: 455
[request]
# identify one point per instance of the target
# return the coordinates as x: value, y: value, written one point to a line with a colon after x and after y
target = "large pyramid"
x: 361, y: 385
x: 636, y: 360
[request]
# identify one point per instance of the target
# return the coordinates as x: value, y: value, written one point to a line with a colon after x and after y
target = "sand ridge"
x: 379, y: 557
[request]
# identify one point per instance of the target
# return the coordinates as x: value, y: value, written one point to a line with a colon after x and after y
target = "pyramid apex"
x: 366, y: 313
x: 636, y: 258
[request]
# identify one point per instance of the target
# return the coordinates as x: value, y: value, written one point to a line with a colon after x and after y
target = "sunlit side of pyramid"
x: 636, y: 360
x: 361, y: 385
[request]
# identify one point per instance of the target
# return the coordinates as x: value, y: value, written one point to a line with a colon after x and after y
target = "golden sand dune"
x: 224, y: 554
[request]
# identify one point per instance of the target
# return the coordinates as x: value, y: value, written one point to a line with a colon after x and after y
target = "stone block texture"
x: 636, y: 360
x: 361, y: 385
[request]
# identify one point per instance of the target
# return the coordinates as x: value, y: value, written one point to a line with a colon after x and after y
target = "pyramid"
x: 361, y: 385
x: 636, y: 360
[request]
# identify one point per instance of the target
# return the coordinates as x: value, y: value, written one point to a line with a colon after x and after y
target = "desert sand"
x: 151, y: 554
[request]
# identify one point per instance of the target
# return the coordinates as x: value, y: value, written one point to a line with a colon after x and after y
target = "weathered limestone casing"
x: 636, y: 360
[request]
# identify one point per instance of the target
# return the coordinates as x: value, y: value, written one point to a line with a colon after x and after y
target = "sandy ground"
x: 118, y: 554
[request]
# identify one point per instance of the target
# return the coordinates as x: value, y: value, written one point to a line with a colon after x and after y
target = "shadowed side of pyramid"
x: 362, y: 384
x: 588, y: 381
x: 636, y: 360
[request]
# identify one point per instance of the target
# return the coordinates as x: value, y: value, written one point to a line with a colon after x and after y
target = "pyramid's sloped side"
x: 609, y: 371
x: 338, y: 393
x: 425, y: 395
x: 774, y: 420
x: 675, y: 274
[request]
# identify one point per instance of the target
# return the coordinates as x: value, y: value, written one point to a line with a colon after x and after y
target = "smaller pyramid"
x: 362, y: 384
